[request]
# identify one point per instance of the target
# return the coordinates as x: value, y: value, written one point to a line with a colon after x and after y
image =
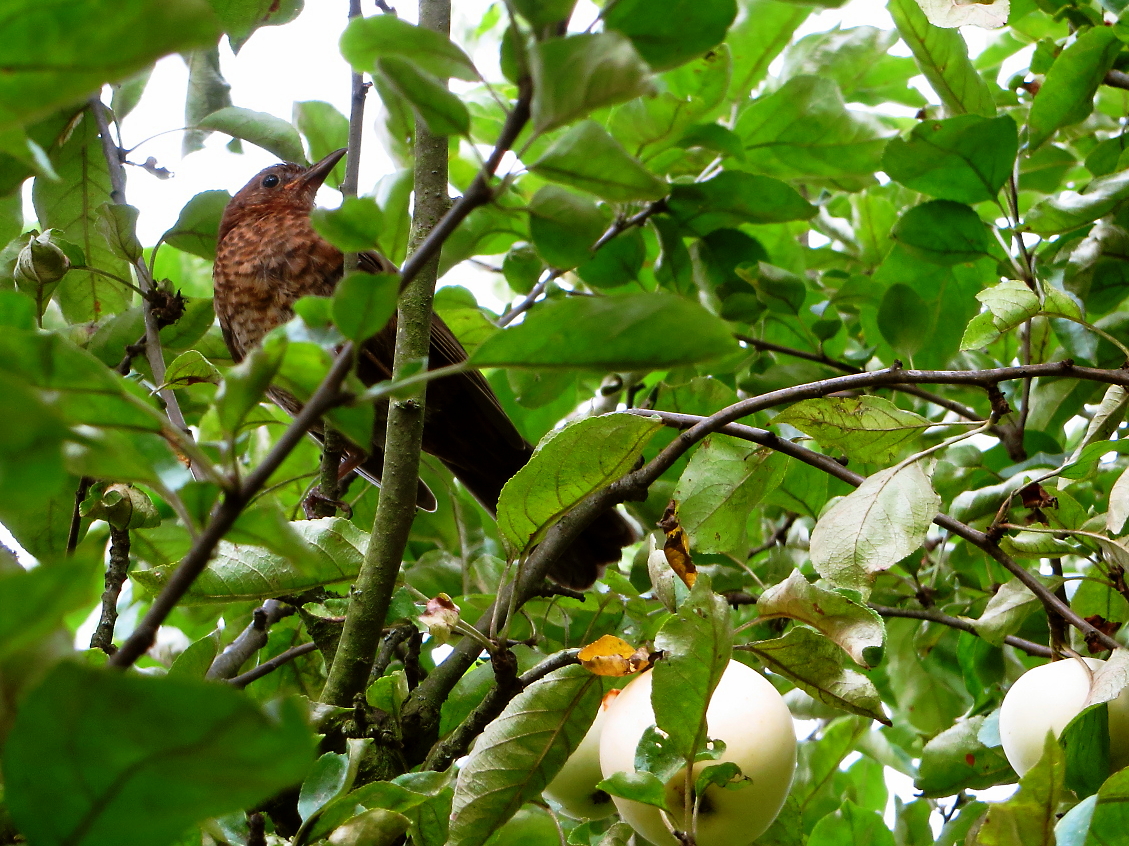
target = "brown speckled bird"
x: 269, y: 255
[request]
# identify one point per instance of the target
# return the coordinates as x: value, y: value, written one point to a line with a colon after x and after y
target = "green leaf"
x: 564, y: 226
x: 88, y: 44
x: 858, y: 60
x: 353, y: 227
x: 195, y: 230
x: 364, y: 303
x: 957, y: 760
x: 442, y: 111
x: 942, y: 56
x: 71, y: 206
x: 640, y: 786
x: 34, y: 602
x: 965, y: 158
x: 1009, y: 304
x: 851, y: 824
x: 544, y: 12
x: 621, y: 332
x: 1086, y: 742
x: 208, y: 92
x: 326, y: 780
x: 855, y: 628
x: 874, y: 527
x: 723, y: 482
x: 118, y: 225
x: 568, y: 465
x: 273, y: 134
x: 519, y: 753
x: 191, y: 368
x: 367, y: 40
x: 803, y: 129
x: 868, y: 429
x: 761, y: 32
x: 1029, y: 817
x: 1066, y: 96
x: 697, y: 643
x: 687, y: 28
x: 1070, y: 210
x: 393, y: 193
x: 574, y: 76
x: 943, y: 232
x: 101, y: 757
x: 588, y: 158
x: 324, y: 129
x: 1108, y: 823
x: 334, y: 549
x: 815, y: 665
x: 616, y: 263
x: 1005, y: 612
x: 735, y: 197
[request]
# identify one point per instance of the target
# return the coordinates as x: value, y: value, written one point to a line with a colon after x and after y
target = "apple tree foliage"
x: 888, y: 320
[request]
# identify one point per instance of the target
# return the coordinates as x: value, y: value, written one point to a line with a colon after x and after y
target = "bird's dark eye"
x: 270, y: 181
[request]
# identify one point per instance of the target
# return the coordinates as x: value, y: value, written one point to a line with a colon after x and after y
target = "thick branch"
x: 372, y: 592
x: 229, y: 508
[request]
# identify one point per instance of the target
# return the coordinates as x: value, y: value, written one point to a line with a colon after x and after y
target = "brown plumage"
x: 269, y: 255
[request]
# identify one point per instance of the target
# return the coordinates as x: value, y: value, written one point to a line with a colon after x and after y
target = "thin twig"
x: 272, y: 664
x: 963, y: 410
x: 455, y: 745
x: 612, y: 231
x: 153, y: 349
x: 84, y: 484
x: 228, y: 510
x: 116, y: 569
x: 1051, y: 602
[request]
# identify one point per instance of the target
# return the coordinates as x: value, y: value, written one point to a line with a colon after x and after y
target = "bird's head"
x: 285, y: 185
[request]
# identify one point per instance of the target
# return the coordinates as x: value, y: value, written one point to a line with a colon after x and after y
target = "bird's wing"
x: 377, y: 355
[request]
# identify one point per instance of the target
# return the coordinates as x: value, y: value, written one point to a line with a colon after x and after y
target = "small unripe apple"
x: 574, y: 788
x: 1048, y: 697
x: 751, y: 718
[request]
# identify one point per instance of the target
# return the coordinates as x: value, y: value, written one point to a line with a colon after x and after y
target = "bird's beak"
x: 316, y: 174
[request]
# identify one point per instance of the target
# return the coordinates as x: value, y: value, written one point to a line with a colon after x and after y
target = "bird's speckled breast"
x: 263, y: 266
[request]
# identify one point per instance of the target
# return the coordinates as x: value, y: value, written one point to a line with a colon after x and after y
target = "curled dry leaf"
x: 440, y: 617
x: 611, y: 656
x: 677, y: 546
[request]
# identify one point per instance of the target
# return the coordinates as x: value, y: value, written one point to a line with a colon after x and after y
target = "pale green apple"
x: 574, y: 788
x: 1048, y: 697
x: 751, y: 718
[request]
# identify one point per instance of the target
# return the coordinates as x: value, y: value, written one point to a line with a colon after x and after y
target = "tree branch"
x: 250, y: 640
x: 116, y: 569
x: 372, y: 592
x: 478, y: 194
x: 612, y: 231
x: 1051, y: 602
x: 455, y: 745
x: 226, y: 512
x: 272, y: 664
x: 153, y: 349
